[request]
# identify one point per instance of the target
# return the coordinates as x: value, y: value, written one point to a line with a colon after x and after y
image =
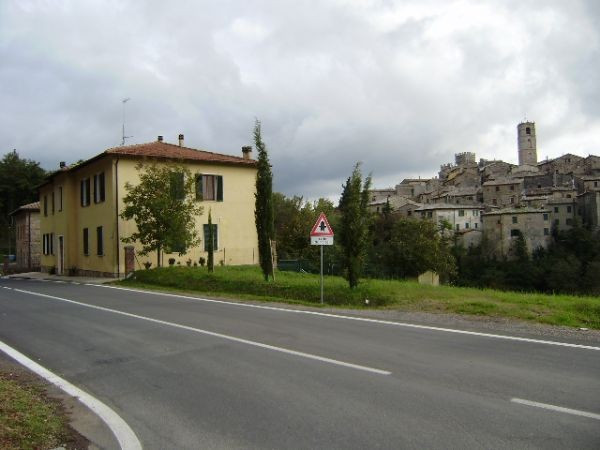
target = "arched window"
x: 527, y: 130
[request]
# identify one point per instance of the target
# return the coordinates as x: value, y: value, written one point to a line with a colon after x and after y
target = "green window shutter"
x: 199, y: 194
x: 219, y: 188
x: 215, y: 237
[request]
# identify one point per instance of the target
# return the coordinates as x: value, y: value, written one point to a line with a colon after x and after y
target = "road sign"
x: 321, y: 228
x: 321, y: 240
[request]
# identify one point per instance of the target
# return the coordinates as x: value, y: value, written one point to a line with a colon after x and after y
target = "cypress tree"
x: 354, y: 224
x: 211, y: 244
x: 263, y: 213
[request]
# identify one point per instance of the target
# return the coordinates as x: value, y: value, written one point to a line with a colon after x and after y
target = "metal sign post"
x: 321, y: 235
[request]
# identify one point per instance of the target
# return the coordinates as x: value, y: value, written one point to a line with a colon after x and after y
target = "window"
x: 556, y: 209
x: 475, y: 212
x: 209, y: 187
x: 467, y: 225
x: 546, y: 231
x: 457, y: 227
x: 514, y: 232
x: 409, y: 213
x: 429, y: 214
x: 568, y: 195
x: 512, y: 200
x: 52, y: 201
x: 515, y: 219
x: 569, y: 222
x: 86, y: 242
x: 595, y: 184
x: 84, y: 191
x: 497, y: 188
x: 215, y: 237
x: 556, y: 222
x: 45, y: 206
x: 569, y: 209
x: 48, y: 244
x: 527, y: 130
x: 494, y: 202
x: 545, y: 216
x: 177, y: 186
x: 99, y: 188
x: 512, y: 187
x: 476, y: 225
x: 60, y: 200
x: 461, y: 213
x: 99, y: 241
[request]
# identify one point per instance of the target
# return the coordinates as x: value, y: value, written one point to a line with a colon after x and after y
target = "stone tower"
x: 527, y: 144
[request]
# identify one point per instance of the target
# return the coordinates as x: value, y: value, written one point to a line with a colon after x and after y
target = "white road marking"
x: 358, y: 319
x: 218, y: 335
x: 561, y: 409
x: 124, y: 434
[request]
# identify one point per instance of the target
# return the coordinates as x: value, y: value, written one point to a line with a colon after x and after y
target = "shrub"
x: 202, y: 261
x: 147, y: 265
x: 171, y: 261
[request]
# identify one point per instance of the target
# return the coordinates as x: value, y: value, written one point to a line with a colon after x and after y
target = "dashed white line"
x: 218, y: 335
x: 561, y: 409
x: 122, y: 432
x: 358, y: 319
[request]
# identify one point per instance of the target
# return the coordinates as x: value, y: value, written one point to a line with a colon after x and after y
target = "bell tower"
x: 527, y: 143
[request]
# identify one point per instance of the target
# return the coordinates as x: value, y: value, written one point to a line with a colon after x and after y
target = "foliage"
x: 408, y: 247
x: 163, y: 207
x: 570, y: 264
x: 211, y: 244
x: 354, y: 224
x: 247, y: 282
x: 19, y: 179
x: 263, y: 212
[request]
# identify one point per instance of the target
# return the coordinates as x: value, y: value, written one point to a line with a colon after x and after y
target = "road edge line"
x: 358, y: 319
x: 120, y: 429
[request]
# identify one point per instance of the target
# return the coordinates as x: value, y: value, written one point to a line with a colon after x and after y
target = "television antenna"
x: 125, y: 100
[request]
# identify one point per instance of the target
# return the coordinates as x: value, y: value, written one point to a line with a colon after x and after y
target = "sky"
x: 400, y: 86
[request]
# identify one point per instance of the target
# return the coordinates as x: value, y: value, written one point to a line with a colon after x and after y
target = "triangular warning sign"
x: 321, y: 227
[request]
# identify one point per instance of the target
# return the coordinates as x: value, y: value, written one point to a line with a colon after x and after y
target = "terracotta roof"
x: 172, y: 151
x: 35, y: 206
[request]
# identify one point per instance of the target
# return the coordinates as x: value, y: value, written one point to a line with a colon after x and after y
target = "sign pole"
x: 321, y: 274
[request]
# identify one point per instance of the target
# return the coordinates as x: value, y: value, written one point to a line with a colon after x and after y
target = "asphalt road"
x: 198, y: 374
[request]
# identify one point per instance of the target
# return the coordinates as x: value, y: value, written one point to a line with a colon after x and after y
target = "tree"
x: 211, y: 244
x: 19, y: 179
x: 354, y: 224
x: 163, y: 207
x: 263, y: 213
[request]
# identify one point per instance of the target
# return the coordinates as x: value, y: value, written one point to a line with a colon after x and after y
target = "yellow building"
x: 80, y: 206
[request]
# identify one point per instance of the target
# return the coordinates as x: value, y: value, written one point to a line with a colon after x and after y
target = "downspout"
x: 117, y: 213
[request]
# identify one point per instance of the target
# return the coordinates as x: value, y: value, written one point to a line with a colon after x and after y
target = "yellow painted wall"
x: 234, y: 216
x: 238, y: 242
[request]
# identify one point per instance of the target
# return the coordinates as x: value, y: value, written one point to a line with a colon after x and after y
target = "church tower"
x: 527, y: 144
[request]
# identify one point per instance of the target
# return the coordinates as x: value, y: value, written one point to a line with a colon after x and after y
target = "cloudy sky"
x: 398, y: 85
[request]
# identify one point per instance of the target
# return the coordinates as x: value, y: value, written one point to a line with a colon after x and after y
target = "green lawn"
x: 28, y: 420
x: 246, y: 282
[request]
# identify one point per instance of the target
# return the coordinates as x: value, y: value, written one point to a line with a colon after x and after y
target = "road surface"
x: 187, y: 373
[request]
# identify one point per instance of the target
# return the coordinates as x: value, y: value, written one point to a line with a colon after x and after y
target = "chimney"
x: 160, y: 139
x: 181, y: 140
x: 62, y: 164
x: 247, y: 152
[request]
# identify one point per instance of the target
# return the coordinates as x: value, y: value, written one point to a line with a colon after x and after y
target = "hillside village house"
x: 27, y: 232
x: 80, y: 205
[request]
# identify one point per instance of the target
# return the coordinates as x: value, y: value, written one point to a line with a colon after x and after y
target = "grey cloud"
x: 333, y: 82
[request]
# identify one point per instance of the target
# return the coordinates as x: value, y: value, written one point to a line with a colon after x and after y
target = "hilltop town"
x: 502, y: 200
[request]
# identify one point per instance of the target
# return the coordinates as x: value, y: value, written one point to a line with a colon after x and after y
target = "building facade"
x: 80, y: 221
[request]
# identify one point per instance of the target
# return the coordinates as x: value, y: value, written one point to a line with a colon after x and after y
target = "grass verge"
x: 28, y: 419
x: 246, y: 283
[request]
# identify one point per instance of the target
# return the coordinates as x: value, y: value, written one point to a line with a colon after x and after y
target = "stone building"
x: 527, y: 144
x: 503, y: 226
x: 502, y: 192
x: 27, y: 230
